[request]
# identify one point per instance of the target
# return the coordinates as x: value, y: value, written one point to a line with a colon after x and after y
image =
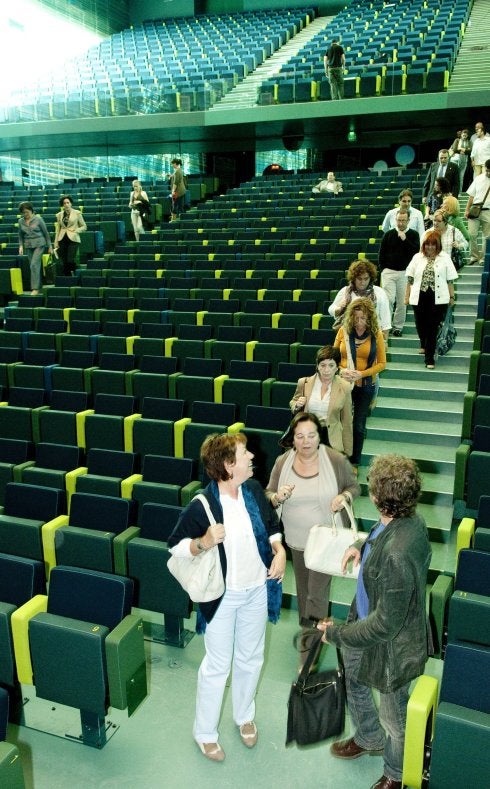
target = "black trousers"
x: 428, y: 316
x: 67, y: 251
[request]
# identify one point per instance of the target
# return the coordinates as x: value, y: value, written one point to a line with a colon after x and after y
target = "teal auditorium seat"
x: 95, y: 533
x: 11, y: 773
x: 87, y: 618
x: 20, y: 580
x: 14, y: 455
x: 164, y: 480
x: 264, y: 427
x: 155, y: 588
x: 27, y: 511
x: 106, y: 472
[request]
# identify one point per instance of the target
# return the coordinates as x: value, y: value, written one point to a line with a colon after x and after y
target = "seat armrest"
x: 71, y: 482
x: 420, y: 716
x: 47, y: 534
x: 128, y: 484
x: 461, y: 462
x: 126, y: 664
x: 187, y: 492
x: 236, y: 427
x: 466, y: 534
x: 128, y: 431
x: 218, y: 386
x: 120, y: 547
x: 20, y: 634
x: 80, y: 422
x: 179, y: 427
x: 18, y: 470
x: 439, y: 595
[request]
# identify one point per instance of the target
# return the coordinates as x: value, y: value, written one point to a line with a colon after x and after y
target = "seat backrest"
x: 62, y: 457
x: 162, y: 365
x: 223, y: 305
x: 117, y: 361
x: 80, y: 359
x: 481, y: 438
x: 202, y: 367
x: 483, y: 517
x: 20, y: 579
x: 116, y: 405
x: 318, y: 337
x: 473, y: 572
x: 265, y: 418
x: 299, y: 307
x: 90, y: 596
x: 33, y: 502
x: 213, y: 413
x: 287, y: 371
x: 167, y: 469
x: 63, y: 400
x: 13, y: 450
x: 188, y: 331
x: 285, y: 335
x: 465, y: 676
x: 163, y: 408
x: 105, y: 513
x: 250, y: 371
x: 39, y: 356
x: 111, y: 462
x: 23, y: 397
x: 235, y: 333
x: 157, y: 521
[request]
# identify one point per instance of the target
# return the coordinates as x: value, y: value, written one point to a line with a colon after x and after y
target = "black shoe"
x: 396, y: 332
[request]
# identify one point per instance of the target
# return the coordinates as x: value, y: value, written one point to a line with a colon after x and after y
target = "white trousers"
x: 236, y: 633
x: 137, y: 223
x: 394, y: 284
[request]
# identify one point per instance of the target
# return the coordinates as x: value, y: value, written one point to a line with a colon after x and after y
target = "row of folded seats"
x: 456, y: 709
x: 473, y: 454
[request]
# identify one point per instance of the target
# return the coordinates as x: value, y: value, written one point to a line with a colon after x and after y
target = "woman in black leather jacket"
x: 386, y: 641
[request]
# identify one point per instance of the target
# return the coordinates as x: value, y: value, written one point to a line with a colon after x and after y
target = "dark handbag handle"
x: 305, y: 671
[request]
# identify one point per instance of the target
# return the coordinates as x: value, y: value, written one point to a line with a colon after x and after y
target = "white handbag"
x: 326, y: 546
x: 201, y: 576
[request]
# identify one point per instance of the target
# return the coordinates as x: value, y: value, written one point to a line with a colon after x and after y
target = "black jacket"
x: 395, y: 635
x: 452, y: 175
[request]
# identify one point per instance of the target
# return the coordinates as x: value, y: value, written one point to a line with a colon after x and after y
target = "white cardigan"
x: 444, y: 272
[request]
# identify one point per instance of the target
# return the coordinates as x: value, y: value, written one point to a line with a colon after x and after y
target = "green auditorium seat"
x: 156, y: 588
x: 245, y: 385
x: 109, y: 426
x: 164, y: 480
x: 155, y: 432
x: 64, y: 419
x: 54, y: 466
x: 15, y: 455
x: 264, y: 427
x: 87, y: 618
x: 94, y: 534
x: 29, y: 513
x: 106, y: 473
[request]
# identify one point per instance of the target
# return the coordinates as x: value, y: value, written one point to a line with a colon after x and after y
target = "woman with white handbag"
x: 308, y: 483
x: 253, y: 561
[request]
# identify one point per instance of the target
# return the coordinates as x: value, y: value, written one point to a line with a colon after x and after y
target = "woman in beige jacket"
x: 329, y: 398
x: 69, y: 224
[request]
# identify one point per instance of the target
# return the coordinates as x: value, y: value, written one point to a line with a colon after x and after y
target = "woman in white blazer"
x: 430, y: 277
x: 329, y: 398
x: 69, y: 224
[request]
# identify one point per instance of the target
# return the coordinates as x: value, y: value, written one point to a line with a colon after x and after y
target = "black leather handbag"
x: 316, y: 706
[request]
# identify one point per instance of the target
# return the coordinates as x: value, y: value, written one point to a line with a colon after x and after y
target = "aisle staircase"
x: 245, y: 93
x: 419, y: 414
x: 472, y: 69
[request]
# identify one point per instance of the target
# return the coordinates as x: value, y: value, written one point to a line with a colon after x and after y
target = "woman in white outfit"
x: 137, y: 199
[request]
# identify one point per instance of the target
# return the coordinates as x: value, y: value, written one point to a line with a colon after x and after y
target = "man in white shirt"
x: 479, y: 192
x: 415, y: 218
x: 480, y: 150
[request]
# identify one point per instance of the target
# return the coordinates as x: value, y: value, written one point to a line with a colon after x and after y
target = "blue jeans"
x: 376, y: 730
x: 361, y: 400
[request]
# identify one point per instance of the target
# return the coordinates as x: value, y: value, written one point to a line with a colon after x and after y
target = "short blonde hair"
x: 452, y: 205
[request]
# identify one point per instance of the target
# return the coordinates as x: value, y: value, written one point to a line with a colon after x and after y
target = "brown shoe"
x: 387, y: 783
x: 212, y: 751
x: 249, y: 734
x: 349, y: 749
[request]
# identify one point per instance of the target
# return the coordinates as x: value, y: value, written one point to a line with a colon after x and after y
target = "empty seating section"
x: 185, y: 64
x: 189, y: 64
x: 397, y: 48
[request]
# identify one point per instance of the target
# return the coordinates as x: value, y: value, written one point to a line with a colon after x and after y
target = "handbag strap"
x: 312, y: 654
x: 350, y: 514
x: 205, y: 503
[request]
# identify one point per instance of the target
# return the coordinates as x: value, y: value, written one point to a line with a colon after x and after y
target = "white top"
x: 444, y: 272
x: 245, y: 569
x: 317, y: 404
x: 480, y: 150
x: 450, y: 234
x: 478, y: 188
x: 382, y: 306
x: 415, y: 222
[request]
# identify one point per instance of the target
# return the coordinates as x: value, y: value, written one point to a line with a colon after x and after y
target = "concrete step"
x: 430, y: 458
x: 426, y: 411
x: 430, y: 433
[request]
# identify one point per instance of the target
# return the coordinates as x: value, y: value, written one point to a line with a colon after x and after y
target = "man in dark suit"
x: 443, y: 168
